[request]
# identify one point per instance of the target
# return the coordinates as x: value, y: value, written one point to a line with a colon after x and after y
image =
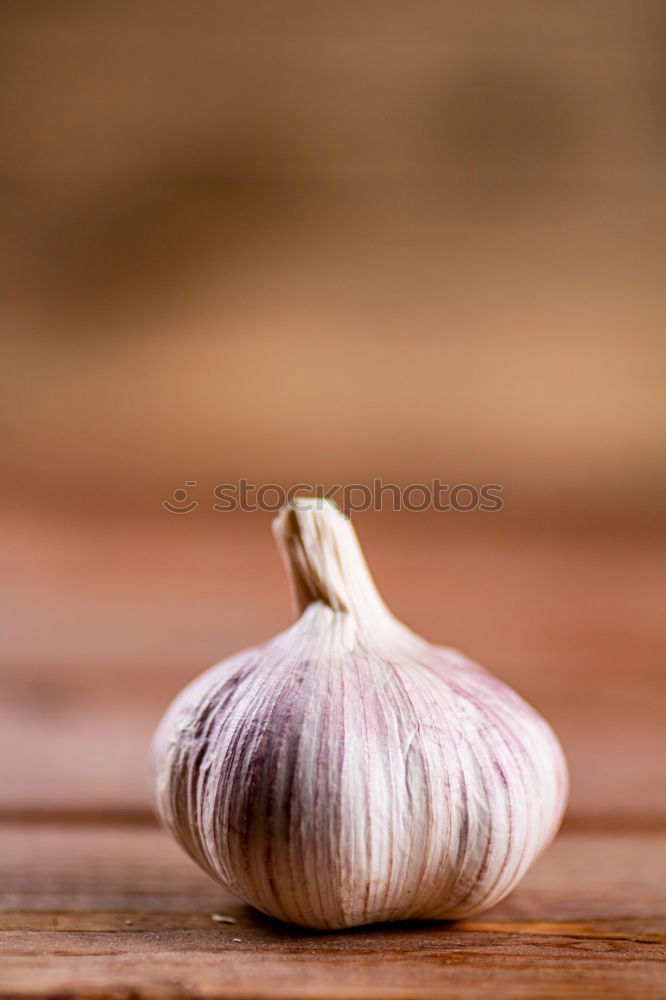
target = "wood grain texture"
x: 106, y: 625
x: 101, y: 912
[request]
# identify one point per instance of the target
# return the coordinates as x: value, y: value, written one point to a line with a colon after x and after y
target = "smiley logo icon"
x: 180, y: 506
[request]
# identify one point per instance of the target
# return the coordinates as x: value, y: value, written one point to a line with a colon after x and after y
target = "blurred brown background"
x: 328, y: 242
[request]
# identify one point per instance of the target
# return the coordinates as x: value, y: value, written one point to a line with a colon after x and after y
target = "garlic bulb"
x: 347, y: 771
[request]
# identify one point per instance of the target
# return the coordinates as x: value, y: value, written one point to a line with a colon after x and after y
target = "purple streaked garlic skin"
x: 349, y: 772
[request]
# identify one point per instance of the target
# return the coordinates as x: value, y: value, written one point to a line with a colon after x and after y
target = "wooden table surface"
x: 108, y: 620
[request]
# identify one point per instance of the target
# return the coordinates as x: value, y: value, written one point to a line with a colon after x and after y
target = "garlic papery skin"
x: 347, y: 771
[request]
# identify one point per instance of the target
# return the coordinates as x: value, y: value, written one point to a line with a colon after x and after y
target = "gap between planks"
x: 144, y: 817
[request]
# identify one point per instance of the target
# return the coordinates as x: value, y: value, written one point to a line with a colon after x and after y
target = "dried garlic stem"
x: 324, y: 560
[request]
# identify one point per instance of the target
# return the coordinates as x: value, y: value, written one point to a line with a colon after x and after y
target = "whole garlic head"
x: 348, y: 771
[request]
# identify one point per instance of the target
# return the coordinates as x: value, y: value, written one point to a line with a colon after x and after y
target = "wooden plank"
x: 121, y: 912
x: 581, y: 877
x: 461, y: 969
x: 105, y: 626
